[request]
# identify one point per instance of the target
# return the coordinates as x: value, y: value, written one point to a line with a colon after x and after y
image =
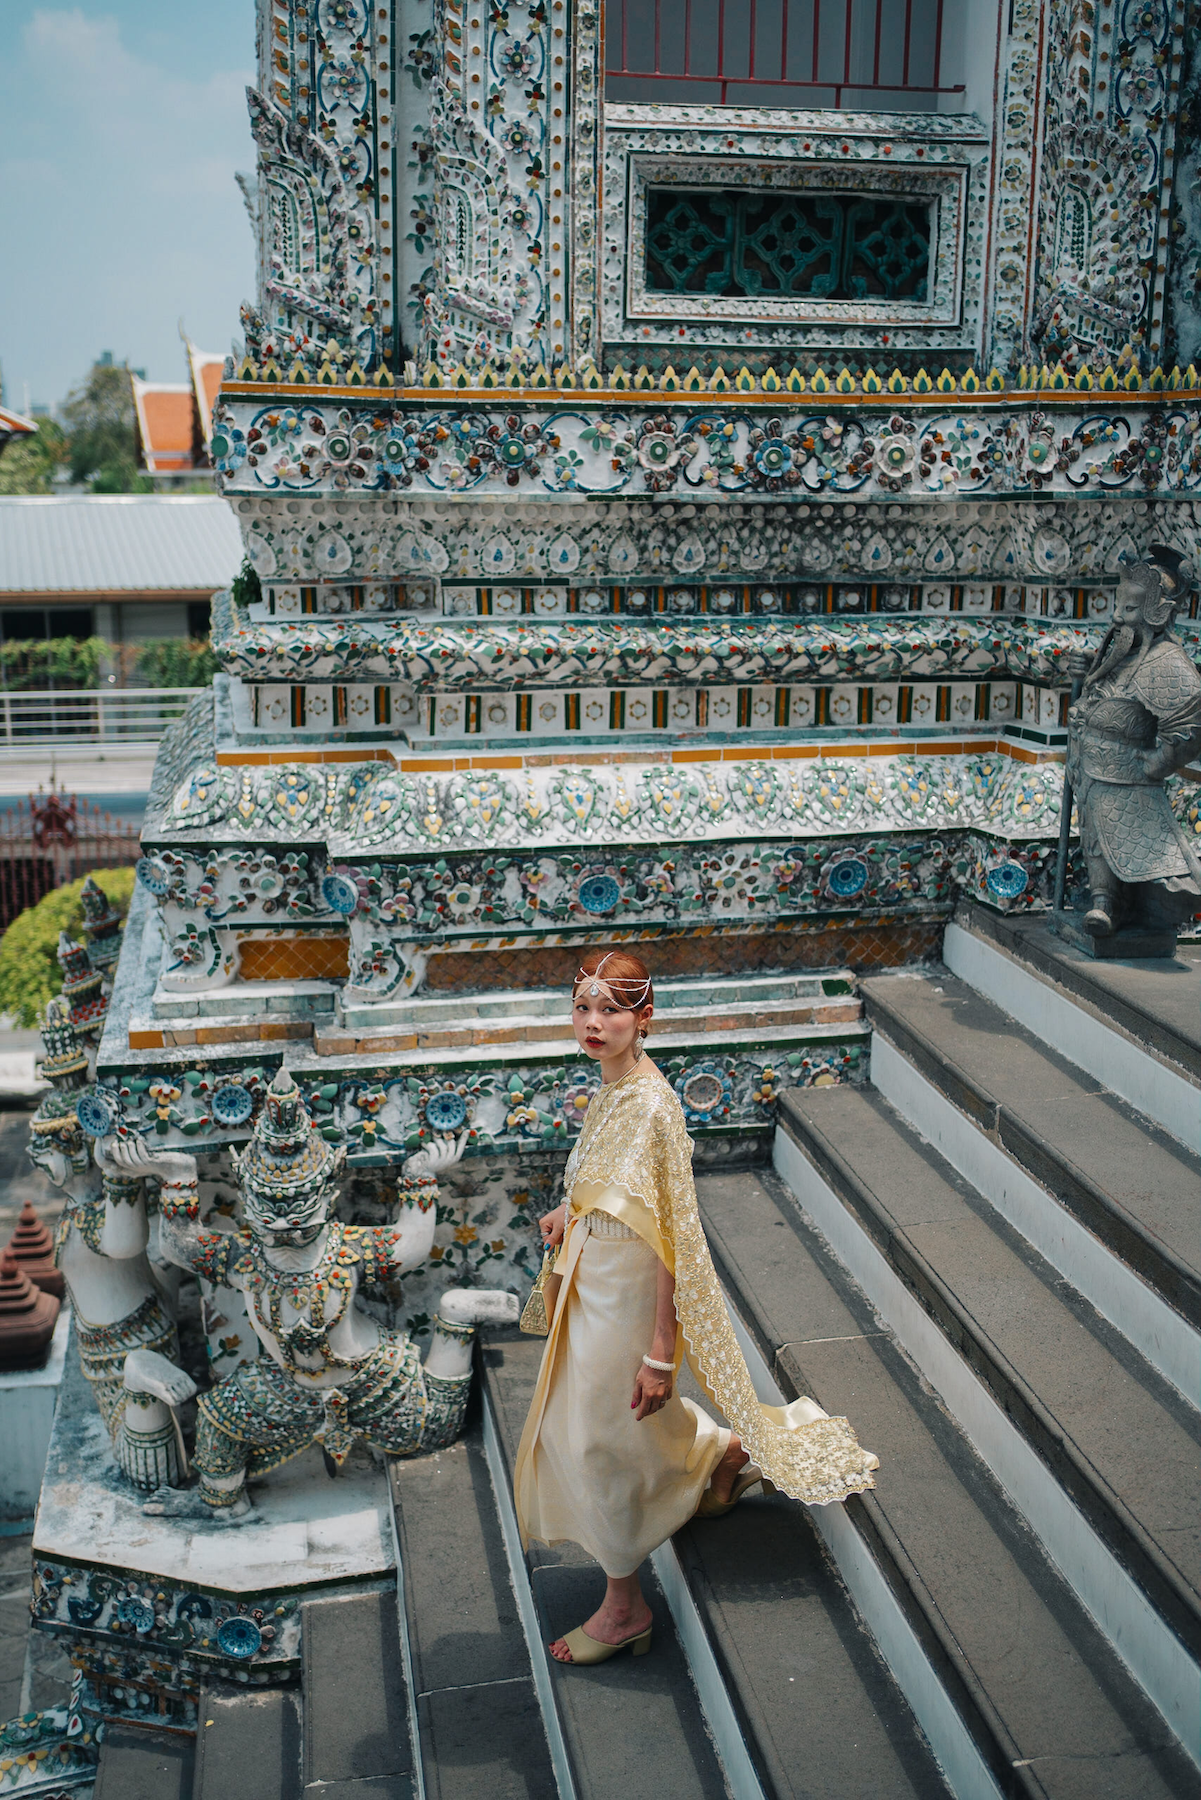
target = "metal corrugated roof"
x: 117, y: 543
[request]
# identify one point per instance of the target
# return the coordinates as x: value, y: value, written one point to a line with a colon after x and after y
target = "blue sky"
x: 121, y: 125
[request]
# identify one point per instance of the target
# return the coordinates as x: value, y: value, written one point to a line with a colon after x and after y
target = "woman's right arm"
x: 552, y: 1225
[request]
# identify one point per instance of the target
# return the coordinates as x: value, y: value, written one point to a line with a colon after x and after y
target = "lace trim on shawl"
x: 634, y: 1138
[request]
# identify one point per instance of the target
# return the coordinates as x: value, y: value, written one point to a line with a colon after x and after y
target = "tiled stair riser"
x: 510, y: 1099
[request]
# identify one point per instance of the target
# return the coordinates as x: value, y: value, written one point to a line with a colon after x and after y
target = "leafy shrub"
x: 176, y: 662
x: 29, y: 971
x: 34, y: 663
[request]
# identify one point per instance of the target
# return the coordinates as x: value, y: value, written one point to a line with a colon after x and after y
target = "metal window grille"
x: 758, y: 242
x: 817, y: 53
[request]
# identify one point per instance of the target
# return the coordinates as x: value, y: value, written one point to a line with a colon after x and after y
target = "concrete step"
x: 833, y: 990
x: 1034, y: 1687
x: 144, y: 1765
x: 510, y: 1042
x: 633, y: 1730
x: 709, y: 1021
x: 1132, y: 1186
x: 1155, y: 1004
x: 244, y: 1000
x: 356, y: 1743
x: 793, y: 1687
x: 247, y: 1743
x: 478, y: 1718
x: 1102, y: 1455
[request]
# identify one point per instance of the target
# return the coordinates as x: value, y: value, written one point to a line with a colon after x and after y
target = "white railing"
x: 30, y: 720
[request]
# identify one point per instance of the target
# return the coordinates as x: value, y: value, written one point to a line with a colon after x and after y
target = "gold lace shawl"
x: 634, y: 1139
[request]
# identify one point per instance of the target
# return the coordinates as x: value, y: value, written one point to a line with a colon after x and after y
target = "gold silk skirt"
x: 588, y: 1472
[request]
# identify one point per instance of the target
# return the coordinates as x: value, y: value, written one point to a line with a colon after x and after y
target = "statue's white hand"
x: 443, y: 1153
x: 133, y: 1156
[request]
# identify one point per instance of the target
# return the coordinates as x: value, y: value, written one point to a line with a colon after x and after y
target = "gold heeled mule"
x: 585, y: 1649
x: 712, y: 1508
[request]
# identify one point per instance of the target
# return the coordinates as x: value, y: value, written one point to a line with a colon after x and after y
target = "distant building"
x: 175, y: 420
x: 125, y: 567
x: 14, y: 426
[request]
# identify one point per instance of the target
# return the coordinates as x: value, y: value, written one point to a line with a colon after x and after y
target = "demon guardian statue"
x: 106, y: 1248
x: 328, y: 1373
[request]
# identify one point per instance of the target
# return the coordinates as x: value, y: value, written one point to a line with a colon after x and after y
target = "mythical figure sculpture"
x: 330, y: 1373
x: 124, y: 1328
x: 1137, y: 719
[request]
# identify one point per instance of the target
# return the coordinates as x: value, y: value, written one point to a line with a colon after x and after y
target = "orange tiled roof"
x: 13, y: 425
x: 166, y: 425
x: 206, y: 379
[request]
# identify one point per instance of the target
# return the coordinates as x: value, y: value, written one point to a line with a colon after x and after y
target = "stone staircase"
x: 1028, y: 1238
x: 988, y: 1259
x: 763, y: 1680
x: 342, y: 1734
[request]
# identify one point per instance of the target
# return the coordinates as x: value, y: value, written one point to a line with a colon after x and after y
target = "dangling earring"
x: 641, y: 1042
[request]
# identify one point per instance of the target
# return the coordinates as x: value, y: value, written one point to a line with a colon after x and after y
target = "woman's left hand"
x: 652, y: 1391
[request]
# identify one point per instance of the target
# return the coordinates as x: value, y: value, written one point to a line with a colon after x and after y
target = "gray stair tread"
x: 1134, y: 1438
x: 486, y: 1743
x: 1157, y: 1000
x: 1084, y: 1127
x: 633, y: 1727
x: 1056, y: 1686
x: 356, y: 1720
x: 144, y: 1765
x: 821, y: 1712
x: 247, y: 1743
x: 478, y: 1715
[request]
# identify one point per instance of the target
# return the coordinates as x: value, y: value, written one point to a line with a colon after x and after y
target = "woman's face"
x: 602, y: 1027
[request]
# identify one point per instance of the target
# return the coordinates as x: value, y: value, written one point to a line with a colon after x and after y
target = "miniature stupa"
x: 32, y: 1248
x: 27, y: 1317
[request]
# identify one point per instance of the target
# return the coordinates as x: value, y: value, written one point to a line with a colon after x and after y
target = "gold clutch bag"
x: 534, y: 1318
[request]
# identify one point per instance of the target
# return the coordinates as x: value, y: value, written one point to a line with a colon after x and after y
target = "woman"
x: 611, y: 1457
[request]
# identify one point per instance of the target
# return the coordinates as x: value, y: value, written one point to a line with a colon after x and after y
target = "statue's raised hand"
x: 132, y: 1156
x: 443, y: 1153
x: 1078, y: 663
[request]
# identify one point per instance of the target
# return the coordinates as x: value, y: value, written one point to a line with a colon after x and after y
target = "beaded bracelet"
x: 663, y: 1368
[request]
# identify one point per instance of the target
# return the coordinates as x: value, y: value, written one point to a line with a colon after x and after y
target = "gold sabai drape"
x: 634, y: 1157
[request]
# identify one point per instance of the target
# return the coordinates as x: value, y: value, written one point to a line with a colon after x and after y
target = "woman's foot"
x: 721, y: 1482
x: 620, y: 1615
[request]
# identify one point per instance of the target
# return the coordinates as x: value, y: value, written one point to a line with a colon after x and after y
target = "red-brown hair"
x: 624, y: 974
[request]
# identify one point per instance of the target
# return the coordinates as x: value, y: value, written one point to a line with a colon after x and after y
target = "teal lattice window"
x: 748, y: 242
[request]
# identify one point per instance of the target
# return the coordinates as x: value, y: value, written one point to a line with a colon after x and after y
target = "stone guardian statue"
x: 1137, y: 720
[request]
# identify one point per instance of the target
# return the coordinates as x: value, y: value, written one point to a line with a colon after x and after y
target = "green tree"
x: 28, y: 464
x: 102, y: 441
